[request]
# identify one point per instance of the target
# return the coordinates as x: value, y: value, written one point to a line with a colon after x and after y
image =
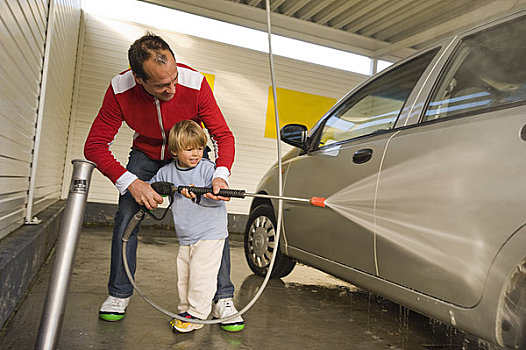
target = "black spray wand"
x: 167, y: 188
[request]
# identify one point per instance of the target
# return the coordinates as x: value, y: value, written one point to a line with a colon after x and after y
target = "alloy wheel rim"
x: 261, y: 241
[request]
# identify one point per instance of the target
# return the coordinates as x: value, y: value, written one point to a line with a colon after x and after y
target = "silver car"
x: 423, y: 168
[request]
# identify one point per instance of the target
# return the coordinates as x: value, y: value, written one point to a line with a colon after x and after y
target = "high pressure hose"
x: 138, y: 217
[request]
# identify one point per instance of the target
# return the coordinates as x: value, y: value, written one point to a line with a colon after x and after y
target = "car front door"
x: 342, y: 166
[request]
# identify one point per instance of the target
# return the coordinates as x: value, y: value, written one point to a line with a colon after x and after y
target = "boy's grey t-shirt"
x: 195, y: 222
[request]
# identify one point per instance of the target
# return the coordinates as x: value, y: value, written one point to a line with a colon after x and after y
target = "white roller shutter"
x: 22, y: 38
x: 56, y: 105
x: 23, y: 26
x: 241, y: 86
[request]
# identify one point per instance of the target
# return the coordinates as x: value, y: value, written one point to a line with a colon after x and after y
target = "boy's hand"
x: 144, y: 194
x: 188, y: 194
x: 217, y: 184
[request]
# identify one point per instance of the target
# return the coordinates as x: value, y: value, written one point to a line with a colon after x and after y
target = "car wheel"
x: 512, y: 311
x: 260, y: 242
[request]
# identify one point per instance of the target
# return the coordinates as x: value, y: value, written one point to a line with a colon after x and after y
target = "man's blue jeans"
x: 119, y: 284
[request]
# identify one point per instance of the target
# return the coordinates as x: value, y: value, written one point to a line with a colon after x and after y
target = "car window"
x: 486, y: 71
x: 377, y: 105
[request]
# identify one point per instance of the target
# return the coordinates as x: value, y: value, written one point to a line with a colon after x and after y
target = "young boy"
x: 200, y: 224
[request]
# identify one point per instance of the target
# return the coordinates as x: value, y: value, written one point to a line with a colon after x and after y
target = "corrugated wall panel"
x: 241, y: 88
x: 22, y: 38
x: 23, y: 26
x: 57, y: 104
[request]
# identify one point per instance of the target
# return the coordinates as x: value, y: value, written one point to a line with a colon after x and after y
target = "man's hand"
x: 144, y: 194
x: 217, y: 184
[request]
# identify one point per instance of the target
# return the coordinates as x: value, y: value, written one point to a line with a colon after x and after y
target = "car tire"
x: 260, y: 235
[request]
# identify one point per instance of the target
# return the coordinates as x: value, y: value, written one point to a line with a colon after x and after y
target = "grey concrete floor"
x: 305, y: 310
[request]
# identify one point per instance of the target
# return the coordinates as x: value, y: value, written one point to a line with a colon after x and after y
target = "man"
x: 153, y: 95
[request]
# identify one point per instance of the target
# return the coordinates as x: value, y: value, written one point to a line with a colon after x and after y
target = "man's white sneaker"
x: 224, y: 308
x: 113, y: 308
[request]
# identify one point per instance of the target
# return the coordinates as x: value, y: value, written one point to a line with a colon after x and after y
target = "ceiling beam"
x: 290, y: 9
x: 332, y: 11
x: 312, y: 8
x: 255, y: 18
x: 275, y: 4
x: 426, y: 16
x: 482, y: 14
x: 393, y: 6
x: 253, y: 2
x: 395, y: 17
x: 353, y: 14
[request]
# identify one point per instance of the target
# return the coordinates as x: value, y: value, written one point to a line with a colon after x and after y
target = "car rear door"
x: 451, y: 189
x: 343, y: 165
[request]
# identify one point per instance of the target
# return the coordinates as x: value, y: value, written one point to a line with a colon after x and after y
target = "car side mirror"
x: 295, y: 135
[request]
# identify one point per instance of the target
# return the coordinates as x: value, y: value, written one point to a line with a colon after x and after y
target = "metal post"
x: 52, y: 315
x: 374, y: 66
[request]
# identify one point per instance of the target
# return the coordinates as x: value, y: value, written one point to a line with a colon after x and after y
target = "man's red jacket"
x: 151, y: 119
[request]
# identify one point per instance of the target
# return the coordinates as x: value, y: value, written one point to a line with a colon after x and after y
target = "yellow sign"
x: 210, y: 78
x: 295, y: 107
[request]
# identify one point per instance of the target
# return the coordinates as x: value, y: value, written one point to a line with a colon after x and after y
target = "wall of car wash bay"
x: 38, y: 47
x: 240, y: 78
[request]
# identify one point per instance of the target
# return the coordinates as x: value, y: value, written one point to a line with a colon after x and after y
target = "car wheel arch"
x: 260, y: 201
x: 506, y: 278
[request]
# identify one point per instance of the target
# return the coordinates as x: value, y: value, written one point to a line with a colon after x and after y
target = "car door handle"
x: 362, y: 156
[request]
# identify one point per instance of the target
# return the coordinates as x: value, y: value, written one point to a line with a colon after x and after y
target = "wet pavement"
x: 306, y: 310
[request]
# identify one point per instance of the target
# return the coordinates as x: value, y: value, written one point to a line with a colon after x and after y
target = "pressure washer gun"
x: 169, y: 189
x: 315, y: 201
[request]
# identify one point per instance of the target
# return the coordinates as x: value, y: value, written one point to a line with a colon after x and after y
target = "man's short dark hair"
x: 144, y: 48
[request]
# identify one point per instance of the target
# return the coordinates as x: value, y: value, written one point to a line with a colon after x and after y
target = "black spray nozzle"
x: 164, y: 188
x: 222, y: 192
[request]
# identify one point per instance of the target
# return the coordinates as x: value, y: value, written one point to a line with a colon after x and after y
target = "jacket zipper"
x: 159, y: 116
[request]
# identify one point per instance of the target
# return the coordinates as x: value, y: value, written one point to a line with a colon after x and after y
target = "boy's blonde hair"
x: 186, y: 134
